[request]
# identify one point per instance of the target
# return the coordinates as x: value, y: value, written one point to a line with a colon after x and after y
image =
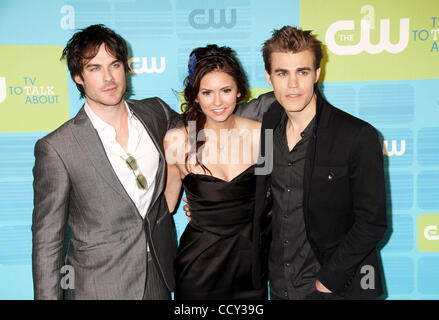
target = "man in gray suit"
x: 102, y: 174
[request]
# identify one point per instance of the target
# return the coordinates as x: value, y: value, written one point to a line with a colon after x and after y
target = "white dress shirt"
x: 140, y: 146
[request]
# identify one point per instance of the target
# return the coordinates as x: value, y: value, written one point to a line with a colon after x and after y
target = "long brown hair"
x: 202, y: 61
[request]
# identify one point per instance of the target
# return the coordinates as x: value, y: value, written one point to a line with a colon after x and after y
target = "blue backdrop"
x: 160, y: 35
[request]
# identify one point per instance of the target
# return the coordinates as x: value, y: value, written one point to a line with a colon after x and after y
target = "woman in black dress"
x: 213, y: 156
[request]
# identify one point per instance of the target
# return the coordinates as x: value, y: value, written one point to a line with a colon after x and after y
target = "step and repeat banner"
x: 381, y: 64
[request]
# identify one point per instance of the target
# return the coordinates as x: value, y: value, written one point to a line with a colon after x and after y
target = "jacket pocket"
x: 330, y: 174
x: 163, y: 216
x: 330, y: 190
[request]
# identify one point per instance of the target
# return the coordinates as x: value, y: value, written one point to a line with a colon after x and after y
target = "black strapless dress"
x: 214, y: 256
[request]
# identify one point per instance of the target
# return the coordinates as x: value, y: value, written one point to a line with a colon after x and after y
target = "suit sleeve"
x: 369, y: 208
x: 49, y: 220
x: 173, y: 118
x: 255, y: 109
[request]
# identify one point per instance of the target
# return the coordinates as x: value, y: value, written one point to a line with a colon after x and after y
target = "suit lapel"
x: 270, y: 120
x: 309, y: 168
x: 322, y: 120
x: 90, y: 142
x: 149, y: 121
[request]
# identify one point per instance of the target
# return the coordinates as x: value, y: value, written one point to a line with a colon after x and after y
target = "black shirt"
x: 292, y: 264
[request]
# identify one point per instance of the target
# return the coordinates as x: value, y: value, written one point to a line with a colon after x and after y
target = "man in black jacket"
x: 326, y: 188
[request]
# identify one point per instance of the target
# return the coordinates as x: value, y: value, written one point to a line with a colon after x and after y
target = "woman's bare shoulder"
x: 244, y: 123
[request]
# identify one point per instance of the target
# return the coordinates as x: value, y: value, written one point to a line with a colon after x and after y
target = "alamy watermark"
x: 68, y: 280
x: 368, y: 280
x: 235, y: 147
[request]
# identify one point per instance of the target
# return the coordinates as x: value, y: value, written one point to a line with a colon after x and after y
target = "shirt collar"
x: 309, y: 128
x: 280, y: 130
x: 100, y: 125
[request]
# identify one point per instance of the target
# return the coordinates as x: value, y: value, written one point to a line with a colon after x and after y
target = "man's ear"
x: 317, y: 75
x: 78, y: 80
x: 268, y: 77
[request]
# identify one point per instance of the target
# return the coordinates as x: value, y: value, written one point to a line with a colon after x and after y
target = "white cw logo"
x: 2, y: 89
x: 367, y: 23
x: 428, y: 233
x: 394, y: 150
x: 144, y: 68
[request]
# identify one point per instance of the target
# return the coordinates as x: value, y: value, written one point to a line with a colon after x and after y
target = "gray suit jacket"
x: 75, y: 185
x: 255, y: 109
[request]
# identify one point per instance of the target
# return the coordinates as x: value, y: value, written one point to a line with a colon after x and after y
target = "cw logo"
x: 211, y: 19
x: 428, y: 232
x: 144, y: 68
x: 2, y: 89
x: 394, y: 150
x: 431, y: 233
x: 366, y: 24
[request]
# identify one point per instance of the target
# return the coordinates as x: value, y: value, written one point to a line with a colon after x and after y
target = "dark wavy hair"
x: 291, y: 39
x: 84, y: 46
x: 202, y: 61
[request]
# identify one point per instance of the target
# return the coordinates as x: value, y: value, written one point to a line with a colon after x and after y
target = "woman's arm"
x: 174, y: 154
